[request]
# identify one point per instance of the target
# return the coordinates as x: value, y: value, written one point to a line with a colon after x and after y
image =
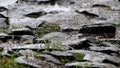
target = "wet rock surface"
x: 60, y: 33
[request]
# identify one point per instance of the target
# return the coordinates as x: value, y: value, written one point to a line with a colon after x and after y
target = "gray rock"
x: 87, y: 14
x: 38, y: 47
x: 60, y: 54
x: 90, y: 64
x: 48, y: 58
x: 3, y: 22
x: 105, y: 49
x: 103, y: 29
x: 21, y: 31
x: 2, y: 9
x: 115, y: 41
x: 4, y: 37
x: 27, y: 52
x: 27, y: 39
x: 97, y: 56
x: 35, y: 14
x: 29, y: 46
x: 25, y: 61
x: 107, y: 44
x: 68, y: 28
x: 75, y: 42
x: 7, y: 2
x: 35, y: 62
x: 55, y: 39
x: 98, y: 28
x: 58, y: 36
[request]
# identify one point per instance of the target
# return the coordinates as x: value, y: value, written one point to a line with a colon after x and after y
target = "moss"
x: 76, y: 57
x: 107, y: 8
x: 45, y: 28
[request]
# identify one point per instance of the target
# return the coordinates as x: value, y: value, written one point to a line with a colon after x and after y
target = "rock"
x: 60, y: 54
x: 99, y: 20
x: 21, y: 31
x: 114, y: 41
x: 76, y: 42
x: 37, y: 47
x: 87, y: 14
x: 1, y: 49
x: 46, y: 2
x: 30, y: 22
x: 3, y: 22
x: 4, y: 37
x: 101, y: 5
x: 22, y: 60
x: 107, y: 44
x: 97, y: 56
x: 49, y: 58
x: 102, y: 28
x: 27, y: 52
x: 105, y: 49
x: 54, y: 39
x: 35, y: 14
x: 89, y: 64
x: 35, y: 62
x: 27, y: 39
x: 52, y: 2
x: 98, y: 28
x: 29, y: 46
x: 7, y: 2
x: 68, y: 28
x: 2, y: 9
x: 58, y: 36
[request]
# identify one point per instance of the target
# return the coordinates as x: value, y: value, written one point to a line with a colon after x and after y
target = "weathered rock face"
x: 3, y: 22
x: 107, y: 29
x: 7, y: 2
x: 60, y: 33
x: 98, y: 28
x: 89, y: 64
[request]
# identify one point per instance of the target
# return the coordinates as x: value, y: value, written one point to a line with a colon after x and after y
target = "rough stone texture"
x: 49, y: 58
x: 98, y: 28
x: 75, y: 42
x: 97, y: 56
x: 60, y: 53
x: 105, y: 49
x: 38, y: 47
x: 27, y: 39
x: 58, y: 36
x: 21, y: 31
x: 79, y: 22
x: 27, y: 52
x: 35, y: 62
x: 7, y: 2
x: 90, y: 64
x: 3, y: 22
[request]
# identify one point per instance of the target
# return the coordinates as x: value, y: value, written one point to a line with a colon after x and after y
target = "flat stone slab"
x: 90, y: 64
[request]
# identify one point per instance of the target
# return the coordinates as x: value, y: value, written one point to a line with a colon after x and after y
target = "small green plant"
x: 9, y: 62
x: 78, y: 57
x: 9, y: 30
x: 45, y: 28
x: 76, y: 21
x: 75, y: 58
x: 57, y: 43
x: 107, y: 8
x: 65, y: 59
